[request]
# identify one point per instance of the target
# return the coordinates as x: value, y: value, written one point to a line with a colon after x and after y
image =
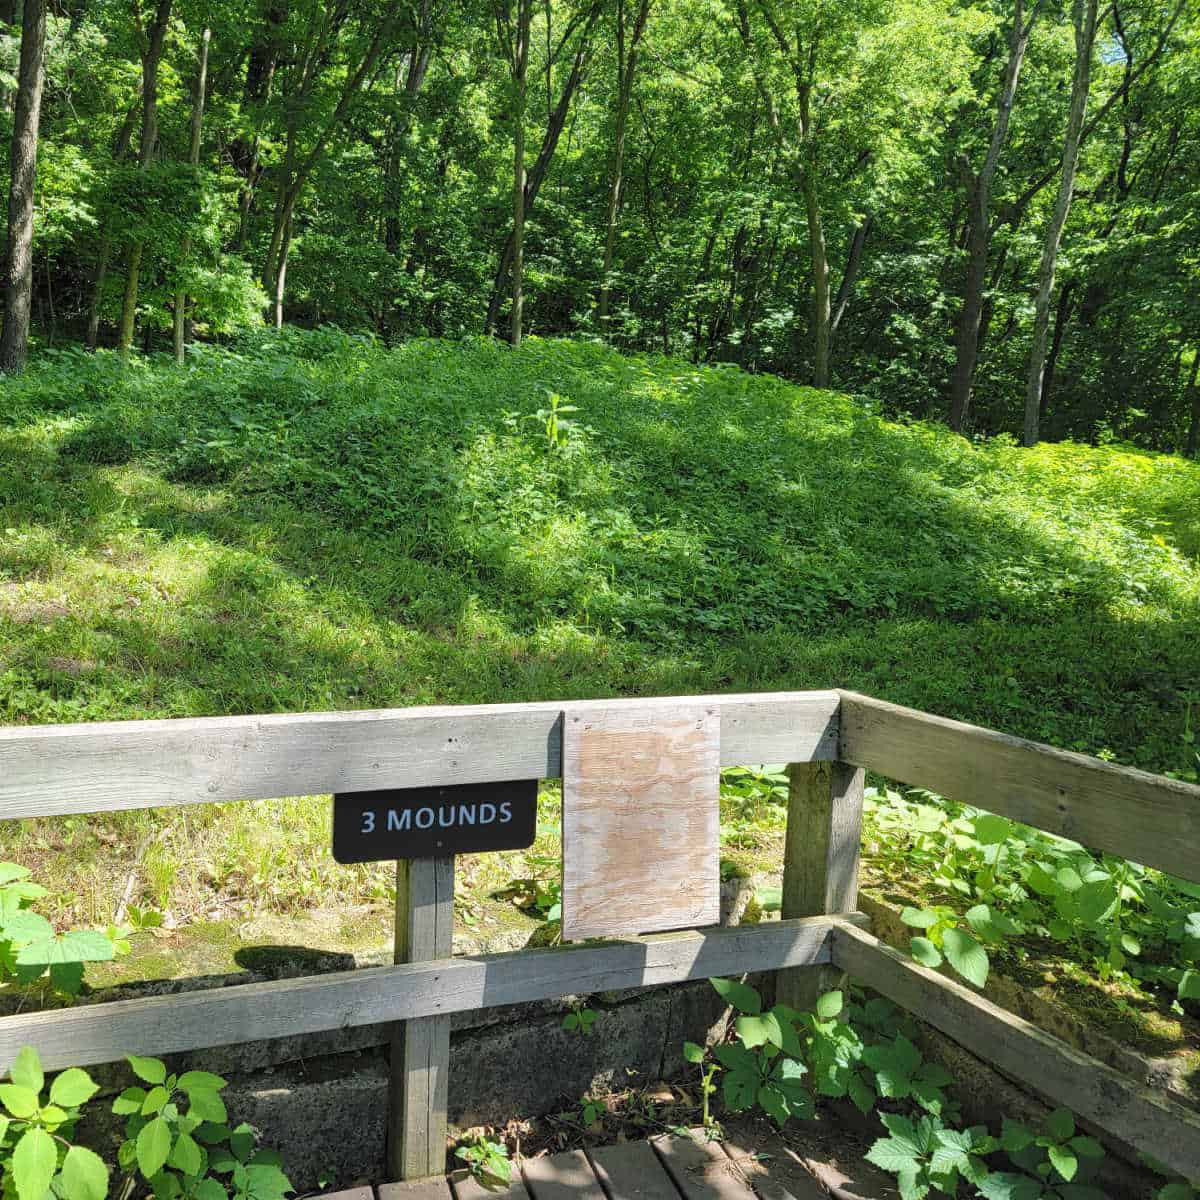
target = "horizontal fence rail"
x: 101, y: 1033
x: 1147, y: 818
x: 56, y: 770
x: 1139, y: 1116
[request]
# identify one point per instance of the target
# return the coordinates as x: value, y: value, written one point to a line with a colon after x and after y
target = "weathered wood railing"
x: 830, y: 738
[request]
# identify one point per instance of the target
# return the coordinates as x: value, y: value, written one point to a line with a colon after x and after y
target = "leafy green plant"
x: 579, y: 1019
x: 556, y: 425
x: 764, y: 1065
x: 177, y: 1139
x: 37, y: 1156
x: 926, y: 1156
x: 695, y: 1053
x: 487, y: 1160
x: 30, y: 947
x: 1054, y: 1163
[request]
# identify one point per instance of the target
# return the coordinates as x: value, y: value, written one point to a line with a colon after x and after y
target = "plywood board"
x: 640, y: 819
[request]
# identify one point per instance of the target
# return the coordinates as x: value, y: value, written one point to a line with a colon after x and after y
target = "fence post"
x: 420, y: 1058
x: 820, y: 864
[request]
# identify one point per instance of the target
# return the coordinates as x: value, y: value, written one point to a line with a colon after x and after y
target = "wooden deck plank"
x: 414, y: 1189
x: 566, y: 1176
x: 465, y: 1188
x: 771, y: 1171
x: 358, y: 1193
x: 632, y: 1171
x: 701, y: 1169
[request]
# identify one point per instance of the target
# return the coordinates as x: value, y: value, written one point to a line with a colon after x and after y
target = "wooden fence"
x: 829, y: 738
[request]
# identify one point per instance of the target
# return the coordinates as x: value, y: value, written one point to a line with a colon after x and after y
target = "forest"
x: 983, y: 213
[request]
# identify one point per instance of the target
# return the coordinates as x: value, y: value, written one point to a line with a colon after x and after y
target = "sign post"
x: 423, y: 829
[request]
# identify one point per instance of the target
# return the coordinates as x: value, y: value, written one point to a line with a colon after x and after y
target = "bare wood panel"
x: 53, y: 770
x: 770, y: 1169
x: 358, y: 1193
x: 821, y: 853
x: 566, y: 1176
x: 632, y: 1171
x: 701, y: 1169
x: 419, y: 1189
x: 1147, y: 818
x: 420, y: 1053
x: 640, y: 823
x: 99, y: 1033
x: 1105, y: 1098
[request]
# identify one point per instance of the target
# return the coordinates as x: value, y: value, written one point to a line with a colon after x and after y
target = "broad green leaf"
x: 740, y: 1089
x: 1068, y: 879
x: 773, y: 1103
x: 890, y: 1154
x: 206, y: 1105
x: 129, y: 1101
x: 925, y: 952
x: 829, y: 1005
x: 85, y: 1174
x: 1087, y: 1147
x: 210, y: 1189
x: 21, y: 1102
x: 67, y: 977
x: 966, y: 956
x: 1006, y: 1185
x: 267, y: 1182
x: 692, y: 1052
x: 26, y: 1070
x: 918, y: 918
x: 241, y: 1141
x: 1096, y: 901
x: 155, y: 1101
x: 186, y: 1155
x: 759, y: 1030
x: 25, y: 926
x: 743, y: 997
x: 1189, y: 985
x: 34, y: 1162
x: 73, y: 1088
x: 990, y: 829
x: 1060, y: 1124
x: 12, y: 871
x: 148, y: 1069
x: 153, y: 1146
x: 1064, y: 1160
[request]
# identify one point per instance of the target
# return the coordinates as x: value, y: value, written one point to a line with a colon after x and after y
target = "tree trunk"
x: 626, y: 67
x: 151, y: 52
x: 537, y: 173
x: 520, y: 68
x: 1193, y: 437
x: 1084, y: 20
x: 194, y: 160
x: 979, y: 226
x: 18, y: 277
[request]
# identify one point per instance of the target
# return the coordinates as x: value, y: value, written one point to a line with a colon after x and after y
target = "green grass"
x: 311, y: 522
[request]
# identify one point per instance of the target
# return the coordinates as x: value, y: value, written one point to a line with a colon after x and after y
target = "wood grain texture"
x: 632, y: 1171
x: 701, y: 1169
x: 566, y: 1176
x: 1147, y: 818
x: 420, y: 1051
x: 98, y: 1033
x: 771, y: 1171
x: 640, y: 825
x: 821, y: 856
x: 466, y: 1188
x: 1106, y: 1099
x: 421, y: 1189
x: 54, y: 770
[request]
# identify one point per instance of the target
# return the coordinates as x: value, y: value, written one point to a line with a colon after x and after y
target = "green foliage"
x: 177, y: 1138
x: 1054, y: 1163
x: 1121, y: 919
x: 579, y: 1019
x: 487, y: 1160
x: 31, y: 949
x: 926, y: 1157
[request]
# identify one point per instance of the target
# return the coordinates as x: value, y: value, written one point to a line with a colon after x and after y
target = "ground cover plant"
x: 309, y: 520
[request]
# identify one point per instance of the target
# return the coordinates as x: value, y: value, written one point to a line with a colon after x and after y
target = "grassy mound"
x: 311, y: 521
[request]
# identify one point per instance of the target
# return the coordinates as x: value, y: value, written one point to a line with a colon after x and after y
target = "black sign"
x: 434, y: 821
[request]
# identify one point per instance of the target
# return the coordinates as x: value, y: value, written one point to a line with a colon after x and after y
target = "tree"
x: 627, y: 56
x: 150, y: 49
x: 18, y: 277
x: 980, y: 225
x: 198, y: 92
